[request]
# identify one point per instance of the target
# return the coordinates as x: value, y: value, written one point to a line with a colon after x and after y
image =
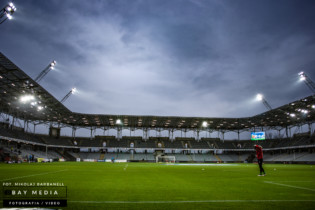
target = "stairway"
x: 102, y: 156
x: 218, y: 158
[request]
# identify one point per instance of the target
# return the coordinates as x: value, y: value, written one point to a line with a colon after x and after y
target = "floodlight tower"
x: 7, y: 12
x: 45, y: 71
x: 260, y: 97
x: 307, y: 80
x: 72, y: 91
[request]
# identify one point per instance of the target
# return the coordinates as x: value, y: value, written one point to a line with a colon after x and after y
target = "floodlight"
x: 45, y: 71
x: 39, y: 108
x: 259, y: 97
x: 302, y: 76
x: 27, y: 98
x: 11, y: 6
x: 292, y: 115
x: 7, y: 12
x: 118, y: 121
x: 52, y: 64
x: 307, y: 80
x: 9, y: 16
x: 313, y: 106
x: 204, y: 124
x: 72, y: 91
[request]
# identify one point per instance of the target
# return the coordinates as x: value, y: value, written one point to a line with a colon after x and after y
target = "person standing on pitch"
x: 259, y: 154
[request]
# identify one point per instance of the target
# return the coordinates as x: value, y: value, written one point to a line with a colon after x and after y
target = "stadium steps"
x: 281, y: 156
x: 190, y: 158
x: 102, y: 156
x: 66, y: 155
x: 209, y: 144
x: 215, y: 144
x: 218, y: 158
x: 300, y: 156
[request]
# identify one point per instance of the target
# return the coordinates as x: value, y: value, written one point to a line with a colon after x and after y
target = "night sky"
x: 166, y: 57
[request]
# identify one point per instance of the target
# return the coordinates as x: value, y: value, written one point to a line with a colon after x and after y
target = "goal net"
x: 165, y: 159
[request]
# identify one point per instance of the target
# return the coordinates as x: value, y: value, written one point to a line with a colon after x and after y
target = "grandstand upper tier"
x: 14, y: 83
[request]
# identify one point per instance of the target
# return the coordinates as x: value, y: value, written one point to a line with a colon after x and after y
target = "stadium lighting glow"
x: 118, y: 121
x: 52, y: 64
x: 73, y: 90
x: 27, y: 98
x: 9, y: 16
x: 303, y: 111
x: 313, y: 106
x: 7, y: 12
x: 308, y: 81
x: 292, y: 115
x: 259, y: 97
x: 204, y: 124
x: 11, y: 8
x: 40, y: 108
x: 302, y: 76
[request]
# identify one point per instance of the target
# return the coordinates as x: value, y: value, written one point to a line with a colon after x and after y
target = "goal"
x: 165, y: 159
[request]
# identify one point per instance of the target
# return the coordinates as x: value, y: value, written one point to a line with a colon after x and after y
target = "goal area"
x: 165, y: 159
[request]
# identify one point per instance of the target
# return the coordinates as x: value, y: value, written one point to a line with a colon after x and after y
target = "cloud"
x: 188, y: 58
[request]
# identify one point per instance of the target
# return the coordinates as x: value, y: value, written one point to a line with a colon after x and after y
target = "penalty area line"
x: 19, y: 177
x: 292, y: 186
x: 201, y: 201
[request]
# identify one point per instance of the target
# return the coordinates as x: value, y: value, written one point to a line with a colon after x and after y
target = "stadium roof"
x: 45, y: 108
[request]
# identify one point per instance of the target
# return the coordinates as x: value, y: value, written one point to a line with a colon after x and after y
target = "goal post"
x: 165, y: 159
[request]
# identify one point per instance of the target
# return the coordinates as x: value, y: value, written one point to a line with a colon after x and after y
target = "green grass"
x: 156, y: 186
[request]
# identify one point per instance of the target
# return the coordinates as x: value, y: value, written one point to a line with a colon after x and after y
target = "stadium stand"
x: 297, y: 149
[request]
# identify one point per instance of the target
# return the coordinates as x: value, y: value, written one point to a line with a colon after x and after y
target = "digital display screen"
x: 257, y: 136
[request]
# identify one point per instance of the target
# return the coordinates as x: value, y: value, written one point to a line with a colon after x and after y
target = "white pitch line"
x: 295, y: 181
x: 19, y: 177
x: 202, y: 201
x: 292, y: 186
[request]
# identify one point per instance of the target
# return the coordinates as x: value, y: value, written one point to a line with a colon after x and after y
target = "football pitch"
x: 102, y: 185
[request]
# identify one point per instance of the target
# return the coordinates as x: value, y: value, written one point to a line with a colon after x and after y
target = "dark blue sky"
x: 166, y: 57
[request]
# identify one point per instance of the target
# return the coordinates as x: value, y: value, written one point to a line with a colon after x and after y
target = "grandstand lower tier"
x: 16, y: 145
x: 22, y: 153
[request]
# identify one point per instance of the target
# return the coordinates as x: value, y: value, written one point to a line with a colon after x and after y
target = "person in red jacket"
x: 259, y: 154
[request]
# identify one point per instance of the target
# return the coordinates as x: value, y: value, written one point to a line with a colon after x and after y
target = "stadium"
x: 150, y: 161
